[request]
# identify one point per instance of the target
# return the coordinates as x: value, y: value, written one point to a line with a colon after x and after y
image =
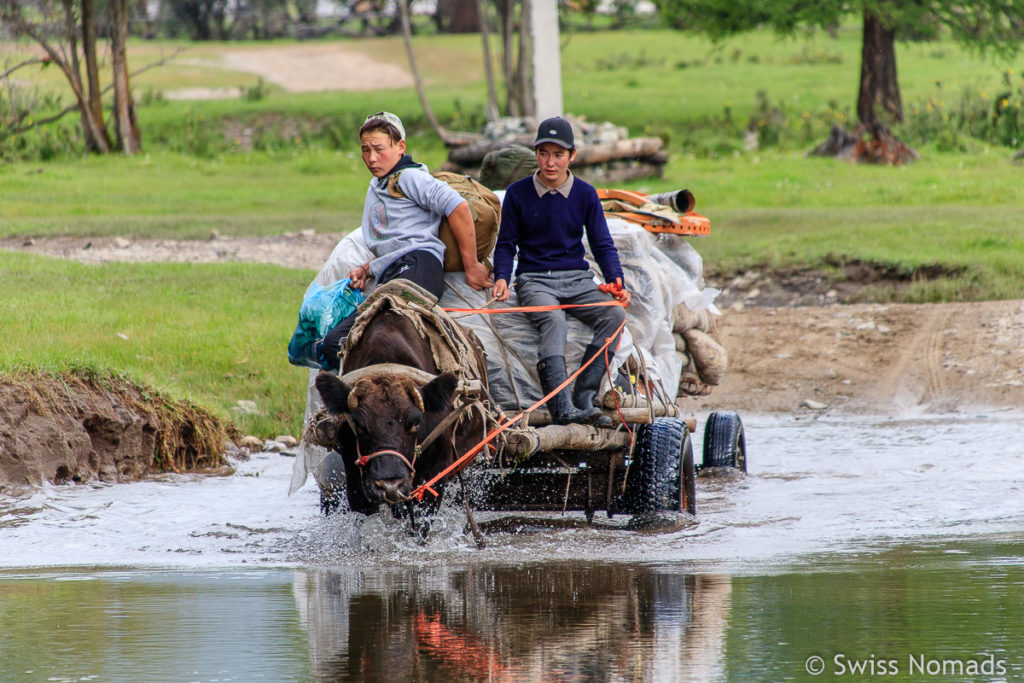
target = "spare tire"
x: 725, y: 444
x: 661, y: 477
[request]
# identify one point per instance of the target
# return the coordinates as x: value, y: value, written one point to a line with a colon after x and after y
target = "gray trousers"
x: 555, y: 287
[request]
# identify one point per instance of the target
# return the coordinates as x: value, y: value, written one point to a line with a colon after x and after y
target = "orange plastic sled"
x: 690, y: 223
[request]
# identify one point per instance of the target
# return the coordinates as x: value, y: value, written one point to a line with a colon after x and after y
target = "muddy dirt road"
x: 894, y: 359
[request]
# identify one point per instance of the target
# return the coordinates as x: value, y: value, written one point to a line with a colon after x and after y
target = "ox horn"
x: 354, y: 396
x: 415, y: 397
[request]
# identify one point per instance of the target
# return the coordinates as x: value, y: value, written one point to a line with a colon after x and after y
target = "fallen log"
x: 618, y: 171
x: 586, y: 155
x: 631, y: 148
x: 473, y: 154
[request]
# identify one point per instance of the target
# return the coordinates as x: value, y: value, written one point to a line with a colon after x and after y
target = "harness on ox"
x: 453, y: 349
x: 451, y: 345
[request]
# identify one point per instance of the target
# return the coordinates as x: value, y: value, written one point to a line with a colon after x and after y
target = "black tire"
x: 725, y: 444
x: 661, y: 477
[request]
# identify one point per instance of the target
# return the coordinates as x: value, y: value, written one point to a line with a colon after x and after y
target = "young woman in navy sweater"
x: 543, y: 220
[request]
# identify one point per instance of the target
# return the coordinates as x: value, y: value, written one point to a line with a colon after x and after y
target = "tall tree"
x: 54, y: 27
x: 66, y: 31
x: 996, y: 25
x: 92, y: 65
x: 126, y: 122
x: 514, y: 33
x: 485, y: 37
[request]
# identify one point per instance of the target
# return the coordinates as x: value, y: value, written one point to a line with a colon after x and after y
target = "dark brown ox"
x: 390, y: 414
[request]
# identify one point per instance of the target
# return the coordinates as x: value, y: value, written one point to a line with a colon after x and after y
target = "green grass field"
x: 216, y: 334
x: 212, y: 334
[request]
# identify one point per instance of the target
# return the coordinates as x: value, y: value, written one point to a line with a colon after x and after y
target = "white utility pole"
x: 545, y: 58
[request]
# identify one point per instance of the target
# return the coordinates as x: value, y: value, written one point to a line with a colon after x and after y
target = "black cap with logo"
x: 556, y: 130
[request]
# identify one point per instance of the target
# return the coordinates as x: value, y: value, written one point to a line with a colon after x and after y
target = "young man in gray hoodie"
x: 401, y: 231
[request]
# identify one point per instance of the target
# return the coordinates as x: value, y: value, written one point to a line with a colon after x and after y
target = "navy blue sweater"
x: 547, y: 231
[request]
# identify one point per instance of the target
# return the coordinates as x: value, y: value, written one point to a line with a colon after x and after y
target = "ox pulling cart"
x: 641, y: 466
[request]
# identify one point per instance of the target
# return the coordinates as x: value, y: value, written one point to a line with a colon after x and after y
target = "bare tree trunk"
x: 71, y: 33
x: 879, y: 87
x: 75, y: 68
x: 124, y: 108
x: 492, y: 94
x: 92, y: 70
x: 529, y: 107
x: 403, y: 7
x: 92, y: 126
x: 459, y: 16
x: 507, y: 14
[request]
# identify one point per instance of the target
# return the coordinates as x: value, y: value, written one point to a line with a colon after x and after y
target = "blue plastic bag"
x: 322, y: 308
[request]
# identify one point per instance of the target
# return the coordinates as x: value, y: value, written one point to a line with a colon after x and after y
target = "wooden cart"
x: 644, y: 470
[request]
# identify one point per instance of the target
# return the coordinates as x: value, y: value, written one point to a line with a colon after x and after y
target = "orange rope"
x: 472, y: 452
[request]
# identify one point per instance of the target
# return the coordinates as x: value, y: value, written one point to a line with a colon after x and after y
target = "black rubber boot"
x: 587, y: 383
x: 551, y: 371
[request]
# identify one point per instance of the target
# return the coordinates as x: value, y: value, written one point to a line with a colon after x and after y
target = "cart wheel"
x: 725, y: 444
x: 662, y: 474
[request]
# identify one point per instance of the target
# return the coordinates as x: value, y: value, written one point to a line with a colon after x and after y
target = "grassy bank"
x: 211, y: 334
x: 958, y: 214
x: 165, y: 194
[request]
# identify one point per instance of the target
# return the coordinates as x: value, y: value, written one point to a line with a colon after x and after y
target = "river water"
x: 856, y: 548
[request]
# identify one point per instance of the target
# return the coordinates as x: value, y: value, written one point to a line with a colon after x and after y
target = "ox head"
x: 390, y: 414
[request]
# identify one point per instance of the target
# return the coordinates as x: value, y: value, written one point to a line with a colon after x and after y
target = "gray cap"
x: 387, y: 117
x: 556, y: 130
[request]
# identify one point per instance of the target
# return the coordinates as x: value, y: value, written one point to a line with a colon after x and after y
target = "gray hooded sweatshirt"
x: 393, y: 227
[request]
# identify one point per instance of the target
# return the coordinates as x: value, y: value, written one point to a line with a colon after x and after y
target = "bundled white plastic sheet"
x: 662, y: 271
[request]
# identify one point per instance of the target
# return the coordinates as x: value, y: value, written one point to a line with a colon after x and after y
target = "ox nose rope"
x: 363, y: 460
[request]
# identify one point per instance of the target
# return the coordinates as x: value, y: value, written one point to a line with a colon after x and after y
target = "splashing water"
x: 815, y: 486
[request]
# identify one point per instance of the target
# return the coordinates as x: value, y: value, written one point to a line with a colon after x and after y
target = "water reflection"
x: 938, y: 606
x: 540, y: 622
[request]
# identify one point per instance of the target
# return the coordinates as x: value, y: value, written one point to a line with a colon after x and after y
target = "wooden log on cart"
x: 572, y: 437
x: 538, y: 418
x: 577, y: 437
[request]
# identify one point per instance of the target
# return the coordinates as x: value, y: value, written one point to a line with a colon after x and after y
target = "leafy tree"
x: 66, y: 30
x: 996, y: 25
